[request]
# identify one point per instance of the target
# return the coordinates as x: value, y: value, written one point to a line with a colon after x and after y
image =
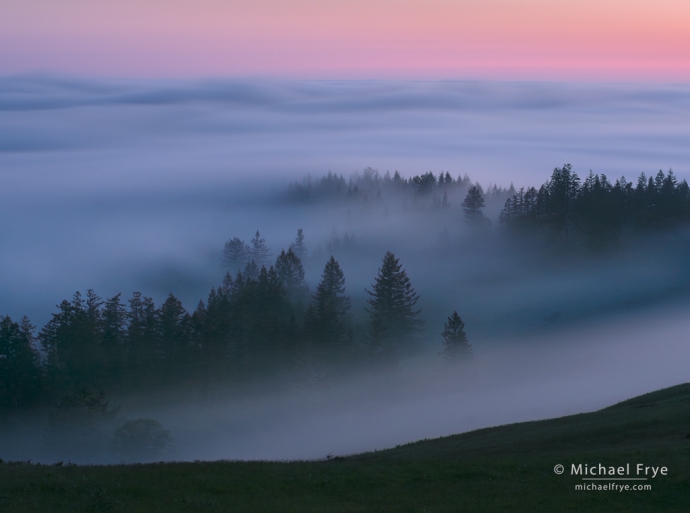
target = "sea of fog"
x: 135, y: 186
x: 121, y: 186
x: 563, y: 372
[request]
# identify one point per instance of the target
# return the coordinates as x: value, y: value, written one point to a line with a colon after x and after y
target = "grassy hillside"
x: 506, y: 468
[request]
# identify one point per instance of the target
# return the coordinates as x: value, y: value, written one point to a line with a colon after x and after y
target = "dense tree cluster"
x: 21, y: 380
x: 472, y: 208
x: 328, y: 321
x: 596, y: 211
x: 261, y: 321
x: 567, y: 209
x: 236, y: 253
x: 369, y: 186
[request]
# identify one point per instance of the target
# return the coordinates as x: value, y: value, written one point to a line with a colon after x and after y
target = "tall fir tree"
x: 234, y: 254
x: 298, y: 247
x: 456, y: 346
x: 273, y: 315
x: 175, y: 353
x: 113, y: 335
x: 328, y: 319
x: 72, y: 342
x: 251, y: 271
x: 560, y: 213
x: 258, y: 251
x: 291, y: 274
x: 472, y: 207
x: 141, y: 341
x: 21, y: 380
x: 394, y: 320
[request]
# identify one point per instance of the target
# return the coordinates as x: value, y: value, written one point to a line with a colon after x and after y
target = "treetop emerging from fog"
x: 592, y: 211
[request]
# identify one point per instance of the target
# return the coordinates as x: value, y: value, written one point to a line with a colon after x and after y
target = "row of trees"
x: 236, y: 253
x: 257, y: 322
x: 370, y: 186
x: 21, y: 376
x: 596, y: 211
x: 592, y: 211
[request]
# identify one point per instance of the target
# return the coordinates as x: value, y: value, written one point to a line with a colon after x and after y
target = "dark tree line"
x: 370, y: 186
x: 256, y: 323
x: 596, y: 211
x: 262, y: 318
x: 21, y: 379
x: 591, y: 211
x: 236, y: 253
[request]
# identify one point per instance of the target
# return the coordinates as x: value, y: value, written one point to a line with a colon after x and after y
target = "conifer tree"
x: 174, y: 349
x: 20, y: 375
x: 72, y: 343
x: 258, y: 251
x: 272, y: 310
x: 424, y: 184
x: 28, y: 330
x: 291, y: 274
x: 328, y: 319
x: 141, y: 339
x: 456, y: 347
x: 113, y: 334
x: 472, y: 207
x: 298, y: 247
x: 251, y: 271
x: 560, y: 206
x: 93, y: 305
x: 391, y: 308
x: 234, y: 254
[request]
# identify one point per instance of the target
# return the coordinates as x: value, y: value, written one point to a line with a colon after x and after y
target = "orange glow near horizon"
x: 500, y: 39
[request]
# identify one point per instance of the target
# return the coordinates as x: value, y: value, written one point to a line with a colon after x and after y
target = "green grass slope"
x: 503, y: 469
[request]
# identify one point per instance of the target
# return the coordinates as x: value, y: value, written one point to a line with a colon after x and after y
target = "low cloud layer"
x: 108, y: 181
x: 122, y: 186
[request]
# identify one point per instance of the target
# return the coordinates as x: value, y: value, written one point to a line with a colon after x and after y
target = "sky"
x: 582, y: 40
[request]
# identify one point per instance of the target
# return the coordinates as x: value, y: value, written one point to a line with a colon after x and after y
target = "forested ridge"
x: 261, y: 322
x: 265, y: 320
x: 566, y: 210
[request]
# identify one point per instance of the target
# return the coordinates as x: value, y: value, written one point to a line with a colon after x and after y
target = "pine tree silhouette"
x: 456, y: 347
x: 234, y: 254
x: 328, y: 320
x: 298, y: 247
x: 20, y: 375
x: 291, y: 275
x: 258, y: 251
x: 391, y: 308
x: 472, y: 207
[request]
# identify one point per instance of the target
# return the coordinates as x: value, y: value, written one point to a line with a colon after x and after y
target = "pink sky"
x: 626, y: 40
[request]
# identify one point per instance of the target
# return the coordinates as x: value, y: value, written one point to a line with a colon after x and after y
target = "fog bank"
x: 560, y: 373
x: 123, y: 186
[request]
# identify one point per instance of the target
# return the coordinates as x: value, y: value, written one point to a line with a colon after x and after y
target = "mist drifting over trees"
x: 264, y: 322
x: 268, y: 299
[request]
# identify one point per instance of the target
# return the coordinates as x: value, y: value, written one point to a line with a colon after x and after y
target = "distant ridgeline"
x: 592, y: 211
x: 369, y: 187
x: 263, y: 322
